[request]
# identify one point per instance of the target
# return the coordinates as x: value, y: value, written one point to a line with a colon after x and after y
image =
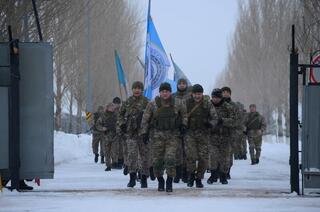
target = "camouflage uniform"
x: 97, y: 136
x: 256, y: 125
x: 180, y: 156
x: 108, y: 121
x: 240, y: 145
x: 162, y: 120
x: 200, y: 117
x: 235, y: 132
x: 220, y: 139
x: 130, y: 115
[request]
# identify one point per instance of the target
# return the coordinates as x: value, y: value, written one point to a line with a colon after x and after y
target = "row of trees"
x: 257, y: 68
x: 84, y: 35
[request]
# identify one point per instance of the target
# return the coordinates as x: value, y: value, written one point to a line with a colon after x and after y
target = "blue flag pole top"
x: 156, y: 60
x: 121, y: 77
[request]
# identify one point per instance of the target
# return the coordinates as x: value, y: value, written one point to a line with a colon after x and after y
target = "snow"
x: 81, y: 185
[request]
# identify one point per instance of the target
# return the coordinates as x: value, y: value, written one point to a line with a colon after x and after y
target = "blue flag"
x: 178, y: 73
x: 121, y: 77
x: 156, y: 61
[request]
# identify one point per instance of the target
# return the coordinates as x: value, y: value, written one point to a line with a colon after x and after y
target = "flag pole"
x: 119, y: 83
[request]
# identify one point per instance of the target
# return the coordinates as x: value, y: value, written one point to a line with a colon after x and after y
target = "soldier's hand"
x: 245, y: 132
x: 145, y: 138
x: 123, y: 128
x: 183, y: 129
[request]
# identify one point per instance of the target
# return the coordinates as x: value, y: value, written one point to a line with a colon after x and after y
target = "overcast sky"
x: 196, y: 33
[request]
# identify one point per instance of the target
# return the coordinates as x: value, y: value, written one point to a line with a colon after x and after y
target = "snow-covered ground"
x: 81, y: 185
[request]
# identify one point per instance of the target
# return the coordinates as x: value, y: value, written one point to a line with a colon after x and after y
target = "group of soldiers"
x: 184, y: 134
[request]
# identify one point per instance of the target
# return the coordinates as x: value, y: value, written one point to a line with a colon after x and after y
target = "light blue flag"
x: 178, y: 73
x: 121, y: 77
x: 156, y: 61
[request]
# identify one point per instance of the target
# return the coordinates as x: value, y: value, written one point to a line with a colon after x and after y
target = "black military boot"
x: 169, y: 184
x: 132, y: 181
x: 152, y: 177
x: 108, y: 169
x: 257, y: 160
x: 223, y: 178
x: 253, y: 161
x: 24, y: 186
x: 144, y: 183
x: 244, y: 157
x: 96, y: 158
x: 214, y: 177
x: 178, y: 174
x: 184, y: 175
x: 120, y: 163
x: 102, y: 160
x: 125, y: 170
x: 191, y: 180
x: 160, y: 183
x: 199, y: 183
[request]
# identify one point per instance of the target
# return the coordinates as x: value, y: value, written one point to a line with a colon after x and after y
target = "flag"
x: 121, y: 77
x: 156, y: 61
x: 178, y: 73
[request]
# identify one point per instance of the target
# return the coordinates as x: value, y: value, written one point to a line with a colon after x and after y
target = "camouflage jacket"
x: 149, y: 116
x: 107, y: 120
x: 130, y: 113
x: 96, y: 116
x: 226, y: 112
x: 255, y: 124
x: 238, y: 126
x: 201, y: 114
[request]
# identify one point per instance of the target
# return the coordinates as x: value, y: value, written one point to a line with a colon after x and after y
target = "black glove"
x: 245, y: 132
x: 183, y: 129
x: 220, y: 122
x: 123, y: 128
x: 145, y: 138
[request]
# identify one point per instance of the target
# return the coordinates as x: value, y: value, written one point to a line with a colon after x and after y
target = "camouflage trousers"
x: 240, y: 145
x: 255, y: 143
x: 180, y: 156
x: 219, y: 153
x: 110, y: 155
x: 164, y: 150
x: 97, y: 139
x: 138, y: 155
x: 123, y: 151
x: 196, y: 148
x: 234, y: 143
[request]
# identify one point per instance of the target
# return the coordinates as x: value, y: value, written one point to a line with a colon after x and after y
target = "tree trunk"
x: 280, y: 128
x: 79, y: 116
x: 70, y: 113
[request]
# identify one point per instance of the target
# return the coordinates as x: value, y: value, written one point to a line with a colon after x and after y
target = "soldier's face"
x: 226, y: 94
x: 197, y: 96
x: 253, y: 109
x: 216, y: 100
x: 137, y: 91
x: 164, y: 94
x: 182, y: 86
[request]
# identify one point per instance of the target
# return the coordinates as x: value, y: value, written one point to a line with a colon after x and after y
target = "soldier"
x: 163, y: 119
x: 243, y: 137
x: 226, y: 93
x: 220, y: 139
x: 107, y: 125
x: 97, y: 136
x: 130, y: 116
x: 255, y: 126
x: 201, y: 117
x: 116, y: 148
x: 182, y: 94
x: 241, y: 145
